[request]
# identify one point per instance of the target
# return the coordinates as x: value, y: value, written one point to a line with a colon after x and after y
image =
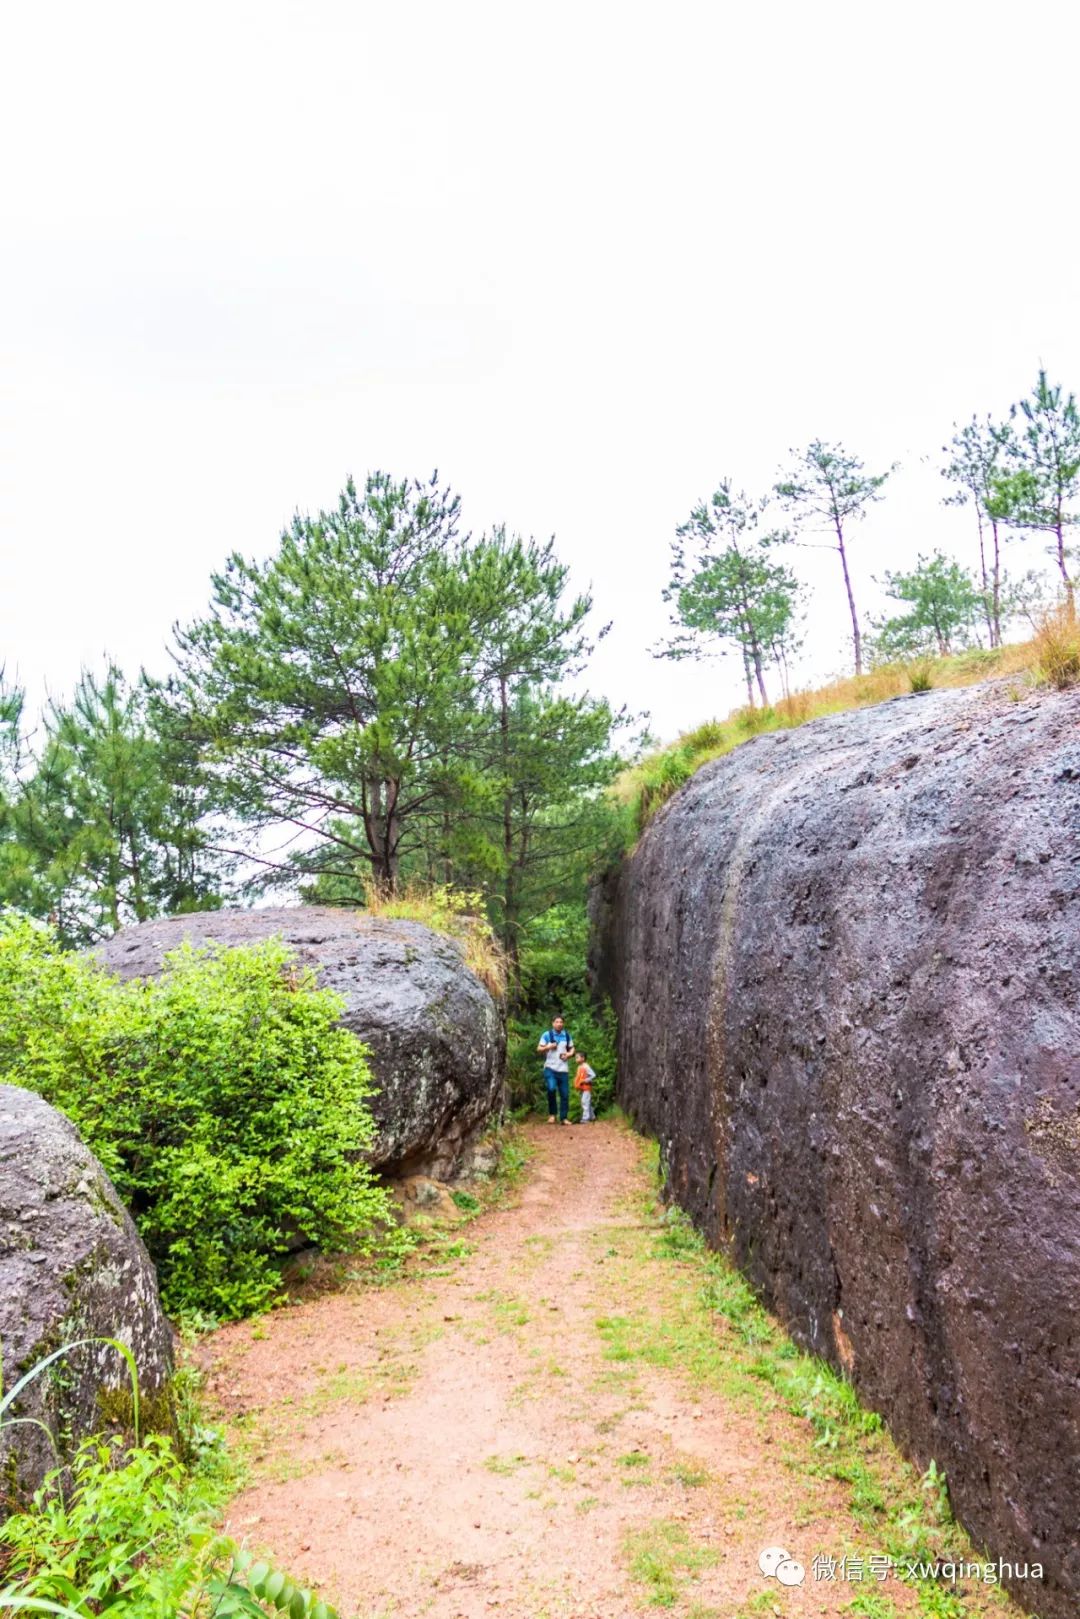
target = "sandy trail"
x: 467, y: 1443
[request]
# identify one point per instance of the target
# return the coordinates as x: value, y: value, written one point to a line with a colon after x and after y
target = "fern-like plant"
x: 130, y: 1532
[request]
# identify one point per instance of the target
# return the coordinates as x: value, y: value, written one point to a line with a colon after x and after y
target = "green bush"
x: 224, y: 1100
x: 132, y: 1533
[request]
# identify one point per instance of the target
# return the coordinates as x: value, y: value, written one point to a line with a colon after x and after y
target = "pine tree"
x: 108, y: 823
x: 1041, y: 488
x: 726, y: 587
x: 827, y: 490
x: 323, y: 684
x: 978, y: 453
x: 373, y: 687
x: 944, y: 603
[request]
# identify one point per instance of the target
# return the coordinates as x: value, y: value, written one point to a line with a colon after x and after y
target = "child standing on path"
x: 583, y: 1082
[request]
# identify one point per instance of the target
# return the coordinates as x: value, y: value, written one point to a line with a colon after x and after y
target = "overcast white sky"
x: 585, y: 259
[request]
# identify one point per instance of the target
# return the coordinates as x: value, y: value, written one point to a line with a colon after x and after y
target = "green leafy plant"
x: 223, y: 1098
x: 130, y: 1530
x: 9, y: 1398
x: 132, y: 1534
x: 936, y: 1486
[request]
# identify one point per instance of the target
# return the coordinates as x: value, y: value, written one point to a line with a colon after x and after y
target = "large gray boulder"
x: 72, y: 1266
x: 846, y: 965
x: 436, y: 1035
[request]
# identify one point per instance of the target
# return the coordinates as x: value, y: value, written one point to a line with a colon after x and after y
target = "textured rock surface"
x: 845, y: 963
x: 436, y: 1036
x: 71, y: 1266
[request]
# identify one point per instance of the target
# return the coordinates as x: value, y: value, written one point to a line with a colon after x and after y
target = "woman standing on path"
x: 557, y: 1047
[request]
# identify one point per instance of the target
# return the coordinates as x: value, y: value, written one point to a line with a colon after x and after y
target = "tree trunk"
x: 515, y: 876
x: 509, y: 929
x: 512, y: 951
x: 997, y: 582
x: 988, y: 611
x: 381, y: 829
x: 139, y: 905
x: 114, y: 887
x: 1070, y: 598
x: 750, y: 643
x: 393, y: 835
x: 759, y: 672
x: 779, y: 657
x: 508, y: 790
x: 856, y: 634
x: 749, y: 678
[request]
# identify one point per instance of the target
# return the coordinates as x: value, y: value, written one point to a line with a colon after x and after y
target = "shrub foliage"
x: 223, y: 1098
x: 132, y: 1533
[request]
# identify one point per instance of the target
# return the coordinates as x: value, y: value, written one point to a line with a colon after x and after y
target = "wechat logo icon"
x: 776, y: 1564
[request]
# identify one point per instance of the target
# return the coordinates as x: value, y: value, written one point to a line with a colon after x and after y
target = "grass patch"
x: 504, y: 1466
x: 636, y: 1470
x: 662, y: 1559
x: 457, y: 913
x: 760, y: 1602
x: 1057, y: 646
x: 509, y: 1312
x: 708, y: 1327
x: 871, y: 1604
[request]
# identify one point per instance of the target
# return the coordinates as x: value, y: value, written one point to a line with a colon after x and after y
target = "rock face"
x: 71, y: 1266
x: 845, y: 964
x: 436, y: 1036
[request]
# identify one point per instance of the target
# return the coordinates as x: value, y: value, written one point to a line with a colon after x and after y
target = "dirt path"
x: 486, y: 1441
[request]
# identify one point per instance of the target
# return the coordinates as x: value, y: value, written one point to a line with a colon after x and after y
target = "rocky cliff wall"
x: 436, y: 1036
x: 846, y: 965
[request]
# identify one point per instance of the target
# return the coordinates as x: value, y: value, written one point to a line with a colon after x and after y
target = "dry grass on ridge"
x: 444, y: 910
x: 1052, y: 655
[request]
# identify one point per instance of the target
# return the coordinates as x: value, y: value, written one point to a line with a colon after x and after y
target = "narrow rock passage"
x: 490, y: 1441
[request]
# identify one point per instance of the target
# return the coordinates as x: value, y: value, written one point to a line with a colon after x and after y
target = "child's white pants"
x: 587, y: 1113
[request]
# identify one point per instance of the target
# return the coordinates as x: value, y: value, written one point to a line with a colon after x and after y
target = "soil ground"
x: 482, y: 1439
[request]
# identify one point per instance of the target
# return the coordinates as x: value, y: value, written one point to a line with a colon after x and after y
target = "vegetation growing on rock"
x: 223, y: 1098
x: 433, y: 1032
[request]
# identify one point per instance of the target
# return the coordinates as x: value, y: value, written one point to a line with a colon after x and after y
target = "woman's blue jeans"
x: 558, y: 1085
